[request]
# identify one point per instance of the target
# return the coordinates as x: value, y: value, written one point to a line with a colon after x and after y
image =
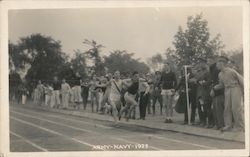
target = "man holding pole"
x: 217, y: 95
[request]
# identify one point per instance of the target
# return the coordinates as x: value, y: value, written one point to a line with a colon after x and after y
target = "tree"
x: 195, y: 42
x: 172, y: 59
x: 124, y: 62
x: 236, y: 56
x: 39, y: 56
x: 78, y: 63
x: 94, y: 54
x: 155, y: 62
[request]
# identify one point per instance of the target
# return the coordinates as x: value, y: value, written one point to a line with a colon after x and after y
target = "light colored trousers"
x: 55, y: 98
x: 77, y: 94
x: 47, y: 99
x: 234, y: 108
x: 168, y: 100
x: 24, y: 97
x: 65, y: 100
x: 100, y: 98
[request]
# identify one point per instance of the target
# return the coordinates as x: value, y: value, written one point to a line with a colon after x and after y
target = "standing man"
x: 48, y: 94
x: 40, y: 88
x: 65, y: 90
x: 144, y: 98
x: 56, y: 93
x: 101, y: 88
x: 77, y: 90
x: 24, y: 92
x: 85, y: 93
x: 156, y: 94
x: 233, y: 83
x: 216, y: 95
x: 149, y: 78
x: 203, y: 94
x: 168, y: 82
x: 105, y: 94
x: 93, y: 92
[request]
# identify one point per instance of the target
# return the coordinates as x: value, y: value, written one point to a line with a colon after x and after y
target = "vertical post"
x: 187, y: 95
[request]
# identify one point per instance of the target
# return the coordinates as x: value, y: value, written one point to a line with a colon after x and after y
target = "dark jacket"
x: 168, y: 80
x: 214, y: 72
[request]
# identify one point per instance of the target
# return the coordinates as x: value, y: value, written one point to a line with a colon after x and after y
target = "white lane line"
x: 28, y: 141
x: 80, y: 129
x: 57, y: 123
x: 72, y: 120
x: 179, y: 141
x: 53, y: 132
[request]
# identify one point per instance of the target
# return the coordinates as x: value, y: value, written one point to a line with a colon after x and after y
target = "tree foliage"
x: 94, y: 54
x: 39, y: 56
x: 236, y: 56
x: 124, y: 62
x: 195, y: 41
x: 155, y: 62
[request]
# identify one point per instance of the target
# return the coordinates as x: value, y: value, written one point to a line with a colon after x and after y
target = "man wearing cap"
x: 233, y: 84
x: 218, y: 95
x: 203, y: 97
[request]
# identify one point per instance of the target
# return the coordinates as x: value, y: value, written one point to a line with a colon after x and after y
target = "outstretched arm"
x: 126, y: 82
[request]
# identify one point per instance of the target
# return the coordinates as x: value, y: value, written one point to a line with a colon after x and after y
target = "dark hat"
x: 222, y: 59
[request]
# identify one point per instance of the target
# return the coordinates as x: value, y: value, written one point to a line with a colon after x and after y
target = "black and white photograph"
x: 128, y: 79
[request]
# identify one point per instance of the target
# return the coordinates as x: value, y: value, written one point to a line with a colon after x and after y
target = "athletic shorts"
x: 114, y: 98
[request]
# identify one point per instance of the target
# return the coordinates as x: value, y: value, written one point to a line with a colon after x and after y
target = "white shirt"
x: 65, y: 88
x: 113, y: 89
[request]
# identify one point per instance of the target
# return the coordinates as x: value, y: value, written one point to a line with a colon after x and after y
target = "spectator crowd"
x: 215, y: 91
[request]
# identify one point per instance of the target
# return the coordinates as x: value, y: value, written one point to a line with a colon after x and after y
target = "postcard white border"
x: 4, y: 109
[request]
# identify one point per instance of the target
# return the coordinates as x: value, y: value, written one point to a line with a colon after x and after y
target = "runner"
x: 133, y: 85
x: 115, y: 95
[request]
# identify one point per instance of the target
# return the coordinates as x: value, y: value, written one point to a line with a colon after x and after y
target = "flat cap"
x: 222, y: 59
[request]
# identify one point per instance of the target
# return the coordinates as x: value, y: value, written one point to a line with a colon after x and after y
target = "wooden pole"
x: 187, y: 95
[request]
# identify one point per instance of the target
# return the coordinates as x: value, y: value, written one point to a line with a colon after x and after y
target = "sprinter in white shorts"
x: 115, y: 94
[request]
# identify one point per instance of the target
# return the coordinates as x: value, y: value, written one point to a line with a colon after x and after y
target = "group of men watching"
x: 215, y: 89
